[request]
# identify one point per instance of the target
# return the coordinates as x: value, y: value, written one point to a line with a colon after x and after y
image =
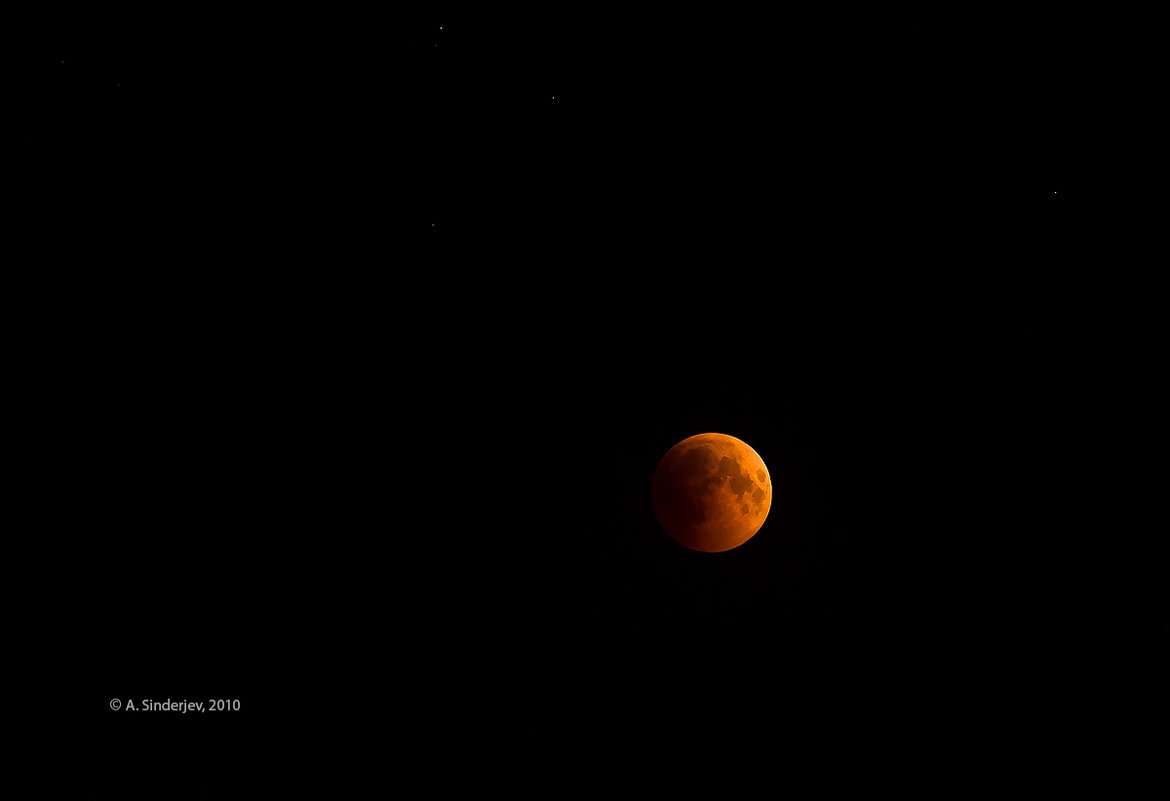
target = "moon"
x: 711, y: 492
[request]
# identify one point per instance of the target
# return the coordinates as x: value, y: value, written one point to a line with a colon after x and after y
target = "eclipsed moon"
x: 711, y: 492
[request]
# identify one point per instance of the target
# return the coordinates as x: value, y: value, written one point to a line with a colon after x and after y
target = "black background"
x: 354, y: 344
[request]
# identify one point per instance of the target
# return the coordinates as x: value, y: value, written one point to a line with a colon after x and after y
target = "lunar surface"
x: 711, y: 492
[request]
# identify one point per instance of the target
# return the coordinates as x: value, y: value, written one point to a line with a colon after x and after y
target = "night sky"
x: 363, y: 337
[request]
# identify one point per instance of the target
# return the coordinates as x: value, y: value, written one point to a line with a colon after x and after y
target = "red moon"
x: 711, y: 492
